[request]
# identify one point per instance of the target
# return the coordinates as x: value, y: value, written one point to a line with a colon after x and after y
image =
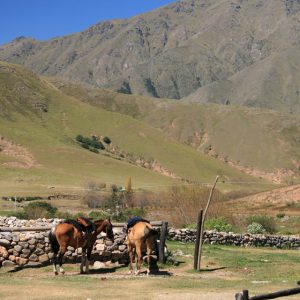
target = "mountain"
x: 38, y: 149
x: 238, y: 52
x: 262, y: 143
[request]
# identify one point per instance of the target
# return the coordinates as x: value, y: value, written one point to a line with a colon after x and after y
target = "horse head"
x: 106, y: 227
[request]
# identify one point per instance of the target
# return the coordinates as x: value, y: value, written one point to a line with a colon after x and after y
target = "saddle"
x: 83, y: 225
x: 131, y: 222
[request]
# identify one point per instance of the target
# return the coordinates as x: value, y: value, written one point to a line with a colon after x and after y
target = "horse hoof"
x: 55, y: 273
x: 130, y: 272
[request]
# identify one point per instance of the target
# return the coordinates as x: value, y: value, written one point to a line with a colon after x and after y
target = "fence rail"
x: 290, y: 292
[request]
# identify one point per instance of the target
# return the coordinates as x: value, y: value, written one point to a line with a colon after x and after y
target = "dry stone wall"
x: 245, y: 240
x: 32, y: 248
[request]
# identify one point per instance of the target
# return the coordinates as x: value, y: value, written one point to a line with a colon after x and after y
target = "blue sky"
x: 43, y: 19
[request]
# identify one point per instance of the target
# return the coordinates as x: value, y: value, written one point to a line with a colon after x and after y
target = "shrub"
x: 98, y: 215
x: 255, y: 228
x: 218, y: 224
x: 280, y: 215
x: 267, y: 223
x: 106, y: 140
x: 94, y: 150
x: 79, y: 138
x: 94, y: 200
x: 85, y: 146
x: 40, y: 209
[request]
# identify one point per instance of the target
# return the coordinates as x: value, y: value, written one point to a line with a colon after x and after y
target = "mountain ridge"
x: 177, y: 50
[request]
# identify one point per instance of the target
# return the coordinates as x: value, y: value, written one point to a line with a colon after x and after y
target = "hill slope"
x: 259, y: 142
x: 38, y: 125
x: 175, y: 50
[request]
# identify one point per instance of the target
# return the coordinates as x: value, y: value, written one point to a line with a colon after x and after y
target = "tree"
x: 128, y: 193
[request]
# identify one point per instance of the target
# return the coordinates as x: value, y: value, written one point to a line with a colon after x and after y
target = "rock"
x: 21, y: 261
x: 3, y: 252
x: 98, y: 265
x: 23, y: 244
x: 43, y: 258
x: 38, y: 251
x: 33, y: 257
x: 122, y: 247
x: 32, y: 241
x: 108, y: 243
x: 8, y: 263
x: 5, y: 243
x: 100, y: 247
x: 71, y: 248
x: 12, y: 258
x: 18, y: 248
x: 34, y: 264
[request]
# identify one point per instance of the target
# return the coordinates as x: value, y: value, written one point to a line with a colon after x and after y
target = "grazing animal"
x: 140, y: 236
x: 70, y: 233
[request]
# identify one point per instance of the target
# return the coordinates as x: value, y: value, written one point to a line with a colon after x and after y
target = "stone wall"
x: 32, y: 248
x: 245, y: 240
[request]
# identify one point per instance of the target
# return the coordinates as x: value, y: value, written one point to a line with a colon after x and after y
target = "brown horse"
x: 140, y: 236
x: 70, y: 233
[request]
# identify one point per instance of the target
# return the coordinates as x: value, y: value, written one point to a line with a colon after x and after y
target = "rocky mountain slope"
x: 240, y: 51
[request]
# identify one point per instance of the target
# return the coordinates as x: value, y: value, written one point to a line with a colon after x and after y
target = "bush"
x: 98, y: 215
x: 79, y: 138
x: 218, y: 224
x: 94, y: 150
x: 40, y: 209
x: 280, y: 215
x: 267, y: 223
x: 94, y: 200
x: 255, y: 228
x: 85, y: 146
x: 106, y: 140
x: 97, y: 145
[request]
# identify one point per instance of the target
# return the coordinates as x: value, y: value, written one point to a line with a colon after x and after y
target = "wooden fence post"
x: 203, y: 219
x: 162, y: 241
x: 199, y: 224
x: 245, y: 295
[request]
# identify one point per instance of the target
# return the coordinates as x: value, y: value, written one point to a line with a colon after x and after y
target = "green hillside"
x: 264, y: 143
x: 39, y: 124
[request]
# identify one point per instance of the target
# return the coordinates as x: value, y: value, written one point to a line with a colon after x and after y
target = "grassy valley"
x: 263, y: 143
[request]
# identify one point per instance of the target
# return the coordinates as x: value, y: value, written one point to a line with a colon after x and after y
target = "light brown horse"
x: 140, y: 237
x: 69, y: 233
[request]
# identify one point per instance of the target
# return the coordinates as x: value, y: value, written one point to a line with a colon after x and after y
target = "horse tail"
x: 150, y: 231
x: 53, y: 241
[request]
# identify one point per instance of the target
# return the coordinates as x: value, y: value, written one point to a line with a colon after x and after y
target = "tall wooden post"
x: 199, y: 224
x: 162, y: 241
x: 245, y: 295
x: 202, y: 226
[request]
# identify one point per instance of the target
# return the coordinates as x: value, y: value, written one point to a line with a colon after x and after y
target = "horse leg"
x: 131, y: 253
x: 61, y: 253
x: 87, y: 262
x: 138, y: 250
x: 55, y: 263
x: 149, y: 250
x: 83, y: 259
